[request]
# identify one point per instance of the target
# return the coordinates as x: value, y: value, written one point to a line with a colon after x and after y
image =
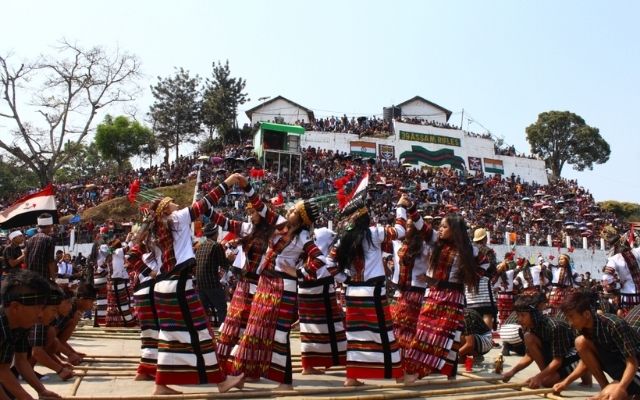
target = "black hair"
x: 351, y: 242
x: 23, y: 281
x: 526, y: 303
x: 462, y: 243
x: 86, y: 291
x: 579, y: 300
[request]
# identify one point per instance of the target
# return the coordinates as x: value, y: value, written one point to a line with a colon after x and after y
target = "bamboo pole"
x: 76, y: 384
x: 110, y: 356
x: 112, y: 361
x: 426, y: 393
x: 536, y: 392
x: 92, y: 368
x: 75, y: 336
x: 107, y: 373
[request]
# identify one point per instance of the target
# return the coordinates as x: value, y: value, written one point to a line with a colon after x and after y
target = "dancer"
x: 264, y: 349
x: 372, y: 349
x: 146, y: 267
x: 118, y: 300
x: 100, y: 280
x: 186, y: 352
x: 503, y: 286
x: 411, y: 256
x: 322, y: 335
x: 562, y: 281
x: 531, y: 279
x: 622, y: 272
x: 452, y: 265
x: 253, y: 238
x: 481, y: 297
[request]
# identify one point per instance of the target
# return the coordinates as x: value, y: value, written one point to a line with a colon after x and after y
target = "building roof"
x: 252, y: 110
x: 422, y: 99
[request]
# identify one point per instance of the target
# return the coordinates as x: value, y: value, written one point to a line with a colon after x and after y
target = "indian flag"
x: 363, y: 149
x: 493, y: 166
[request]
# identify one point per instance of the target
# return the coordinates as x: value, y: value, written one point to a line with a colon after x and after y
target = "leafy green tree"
x: 625, y: 210
x: 561, y: 137
x: 120, y: 138
x: 222, y: 96
x: 176, y: 110
x: 86, y: 161
x: 15, y: 178
x: 55, y: 98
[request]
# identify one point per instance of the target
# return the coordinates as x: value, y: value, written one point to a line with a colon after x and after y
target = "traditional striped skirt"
x: 405, y: 311
x: 118, y: 304
x: 511, y: 333
x: 505, y: 306
x: 322, y: 335
x: 148, y: 318
x: 372, y: 350
x: 484, y: 343
x: 435, y: 346
x: 628, y: 301
x: 100, y: 315
x: 556, y: 297
x: 236, y: 321
x: 264, y: 349
x: 341, y: 288
x: 483, y: 299
x: 186, y: 350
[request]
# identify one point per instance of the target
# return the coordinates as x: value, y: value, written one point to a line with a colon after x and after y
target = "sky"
x: 503, y: 62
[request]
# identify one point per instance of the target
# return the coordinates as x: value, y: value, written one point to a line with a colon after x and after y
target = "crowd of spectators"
x: 361, y: 126
x: 503, y: 205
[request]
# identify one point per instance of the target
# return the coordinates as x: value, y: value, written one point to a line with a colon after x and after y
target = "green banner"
x: 428, y: 138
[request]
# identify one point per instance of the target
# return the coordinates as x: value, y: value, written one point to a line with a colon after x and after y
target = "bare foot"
x: 143, y: 377
x: 312, y: 371
x: 163, y: 390
x: 410, y: 378
x: 231, y: 381
x: 400, y: 380
x: 283, y: 386
x: 353, y: 382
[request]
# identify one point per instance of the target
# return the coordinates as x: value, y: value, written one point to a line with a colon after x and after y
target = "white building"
x: 280, y: 110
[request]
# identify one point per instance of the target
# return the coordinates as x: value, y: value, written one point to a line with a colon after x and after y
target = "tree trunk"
x: 166, y: 155
x: 177, y: 144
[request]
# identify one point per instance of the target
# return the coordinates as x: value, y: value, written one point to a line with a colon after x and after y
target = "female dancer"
x: 264, y: 349
x: 186, y: 352
x: 372, y: 350
x: 452, y: 265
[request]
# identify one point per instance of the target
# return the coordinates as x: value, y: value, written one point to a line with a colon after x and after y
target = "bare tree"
x: 65, y: 91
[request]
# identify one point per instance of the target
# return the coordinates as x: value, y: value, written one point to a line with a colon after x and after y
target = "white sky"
x: 504, y: 62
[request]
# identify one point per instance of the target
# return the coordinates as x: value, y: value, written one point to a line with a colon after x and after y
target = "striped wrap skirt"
x: 405, y: 311
x: 100, y: 284
x: 119, y: 311
x: 438, y: 333
x: 322, y: 335
x: 372, y: 349
x: 505, y: 306
x: 236, y: 321
x: 265, y: 349
x: 186, y: 349
x: 148, y: 318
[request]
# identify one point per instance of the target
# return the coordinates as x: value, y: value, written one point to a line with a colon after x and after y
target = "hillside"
x: 121, y: 210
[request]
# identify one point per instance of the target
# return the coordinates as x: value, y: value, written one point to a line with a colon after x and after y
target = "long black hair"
x: 414, y: 240
x: 263, y: 231
x: 462, y: 243
x: 350, y: 246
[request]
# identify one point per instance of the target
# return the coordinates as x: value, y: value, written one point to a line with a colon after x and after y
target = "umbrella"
x: 587, y: 233
x: 203, y: 158
x: 230, y: 159
x: 407, y: 165
x: 90, y: 186
x: 216, y: 160
x: 221, y: 171
x: 570, y: 227
x: 540, y: 220
x: 76, y: 187
x: 546, y: 207
x: 526, y: 199
x: 538, y: 194
x: 248, y: 146
x: 75, y: 219
x: 559, y: 201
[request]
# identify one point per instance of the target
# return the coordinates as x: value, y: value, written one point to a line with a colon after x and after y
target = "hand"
x: 48, y: 394
x: 242, y: 180
x: 559, y: 387
x: 231, y: 180
x: 288, y: 269
x: 65, y: 374
x: 404, y: 201
x: 534, y: 382
x: 613, y: 391
x: 506, y: 377
x: 422, y: 278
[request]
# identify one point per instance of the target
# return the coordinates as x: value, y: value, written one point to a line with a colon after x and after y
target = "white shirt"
x: 619, y: 265
x: 181, y: 232
x: 117, y: 263
x: 65, y: 269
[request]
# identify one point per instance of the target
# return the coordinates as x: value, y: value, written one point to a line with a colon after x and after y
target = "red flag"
x: 25, y: 210
x: 134, y: 189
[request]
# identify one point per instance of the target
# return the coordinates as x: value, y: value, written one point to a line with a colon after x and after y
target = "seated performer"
x: 476, y: 336
x: 548, y: 342
x: 607, y: 344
